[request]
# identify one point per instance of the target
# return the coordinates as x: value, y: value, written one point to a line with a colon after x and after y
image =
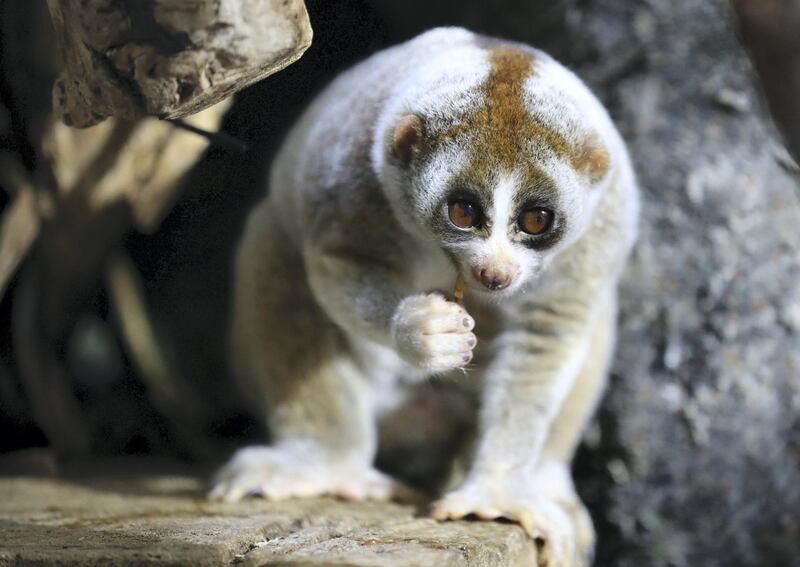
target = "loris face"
x: 498, y: 234
x: 505, y: 174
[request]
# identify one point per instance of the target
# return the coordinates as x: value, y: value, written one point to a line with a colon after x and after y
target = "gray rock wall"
x: 698, y: 462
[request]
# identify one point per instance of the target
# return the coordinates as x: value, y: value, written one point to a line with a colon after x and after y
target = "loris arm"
x: 538, y: 359
x: 359, y: 290
x: 368, y: 296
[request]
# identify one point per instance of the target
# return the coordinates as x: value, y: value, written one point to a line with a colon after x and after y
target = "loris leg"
x: 323, y: 443
x: 296, y: 368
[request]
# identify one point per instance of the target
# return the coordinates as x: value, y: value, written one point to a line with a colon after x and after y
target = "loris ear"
x: 407, y: 137
x: 592, y: 158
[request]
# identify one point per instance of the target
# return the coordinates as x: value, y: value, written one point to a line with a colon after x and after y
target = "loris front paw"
x: 516, y: 500
x: 433, y: 334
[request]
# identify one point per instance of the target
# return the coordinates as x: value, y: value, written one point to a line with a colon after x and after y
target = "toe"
x: 450, y: 508
x: 488, y: 513
x: 234, y: 492
x: 217, y: 493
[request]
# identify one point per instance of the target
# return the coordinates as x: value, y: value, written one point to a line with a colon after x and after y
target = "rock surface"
x: 699, y: 458
x: 165, y: 520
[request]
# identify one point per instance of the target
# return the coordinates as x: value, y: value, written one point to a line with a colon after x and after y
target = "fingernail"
x: 466, y: 321
x: 471, y: 342
x: 467, y: 357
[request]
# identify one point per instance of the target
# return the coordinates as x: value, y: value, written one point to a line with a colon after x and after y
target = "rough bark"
x: 168, y: 58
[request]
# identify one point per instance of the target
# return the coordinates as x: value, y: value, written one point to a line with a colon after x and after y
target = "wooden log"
x: 168, y: 58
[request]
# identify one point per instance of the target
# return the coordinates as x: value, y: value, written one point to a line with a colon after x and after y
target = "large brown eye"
x: 463, y: 214
x: 535, y: 221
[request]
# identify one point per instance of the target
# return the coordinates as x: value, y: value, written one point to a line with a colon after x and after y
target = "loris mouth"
x: 476, y: 288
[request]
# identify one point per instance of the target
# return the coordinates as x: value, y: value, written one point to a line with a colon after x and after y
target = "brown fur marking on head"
x: 504, y: 121
x: 503, y: 127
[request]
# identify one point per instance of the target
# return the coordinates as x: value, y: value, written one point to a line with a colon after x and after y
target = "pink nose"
x: 492, y: 279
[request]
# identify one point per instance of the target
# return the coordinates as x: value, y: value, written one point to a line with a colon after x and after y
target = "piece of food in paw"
x: 458, y: 292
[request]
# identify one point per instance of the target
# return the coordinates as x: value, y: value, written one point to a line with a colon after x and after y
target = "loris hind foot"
x: 280, y: 473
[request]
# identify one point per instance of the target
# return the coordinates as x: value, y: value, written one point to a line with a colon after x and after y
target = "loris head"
x: 501, y: 162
